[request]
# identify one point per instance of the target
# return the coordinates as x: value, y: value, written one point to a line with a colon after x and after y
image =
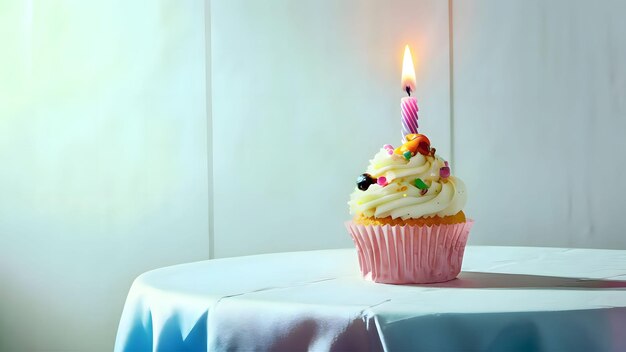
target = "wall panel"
x: 539, y: 117
x: 104, y: 161
x: 304, y: 93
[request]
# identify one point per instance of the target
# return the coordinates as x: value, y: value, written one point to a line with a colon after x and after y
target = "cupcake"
x: 409, y: 225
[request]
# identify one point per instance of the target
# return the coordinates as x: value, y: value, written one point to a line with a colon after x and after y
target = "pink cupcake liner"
x: 410, y: 254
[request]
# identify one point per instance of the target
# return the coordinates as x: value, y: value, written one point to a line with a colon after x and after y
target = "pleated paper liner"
x: 410, y: 254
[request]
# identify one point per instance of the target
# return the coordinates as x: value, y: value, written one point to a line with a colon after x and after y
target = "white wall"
x: 304, y: 93
x: 540, y: 117
x: 104, y: 161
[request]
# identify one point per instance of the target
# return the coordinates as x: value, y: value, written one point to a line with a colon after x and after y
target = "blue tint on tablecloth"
x: 506, y: 299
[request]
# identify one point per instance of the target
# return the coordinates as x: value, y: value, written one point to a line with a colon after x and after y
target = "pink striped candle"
x: 408, y: 104
x: 409, y: 115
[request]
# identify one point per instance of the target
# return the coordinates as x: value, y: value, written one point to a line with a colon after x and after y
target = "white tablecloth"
x: 506, y: 299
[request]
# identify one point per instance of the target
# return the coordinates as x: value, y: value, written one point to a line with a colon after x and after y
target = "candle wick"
x: 408, y: 90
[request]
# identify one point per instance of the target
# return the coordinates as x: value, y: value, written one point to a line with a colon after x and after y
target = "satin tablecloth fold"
x: 506, y: 299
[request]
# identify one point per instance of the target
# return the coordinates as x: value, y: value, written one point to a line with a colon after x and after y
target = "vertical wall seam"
x: 209, y: 124
x: 451, y: 76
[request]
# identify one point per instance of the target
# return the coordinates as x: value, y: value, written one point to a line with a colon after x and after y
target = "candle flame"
x: 408, y: 71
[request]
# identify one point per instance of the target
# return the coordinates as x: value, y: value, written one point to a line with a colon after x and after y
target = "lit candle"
x: 408, y: 104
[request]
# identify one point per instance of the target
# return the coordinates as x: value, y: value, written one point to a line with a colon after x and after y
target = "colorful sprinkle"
x: 382, y: 181
x: 446, y: 163
x: 388, y: 146
x: 424, y: 191
x: 420, y: 184
x: 416, y: 143
x: 390, y: 151
x: 404, y: 195
x: 407, y: 155
x: 444, y: 172
x: 364, y: 181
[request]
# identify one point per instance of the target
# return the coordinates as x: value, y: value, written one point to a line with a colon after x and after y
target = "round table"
x: 506, y: 299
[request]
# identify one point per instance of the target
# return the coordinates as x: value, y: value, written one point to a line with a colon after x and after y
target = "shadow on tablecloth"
x: 470, y: 279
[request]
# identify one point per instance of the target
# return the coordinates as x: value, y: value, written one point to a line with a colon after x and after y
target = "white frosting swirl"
x: 401, y: 198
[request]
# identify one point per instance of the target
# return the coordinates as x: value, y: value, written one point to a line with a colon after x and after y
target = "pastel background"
x: 135, y: 135
x: 103, y: 149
